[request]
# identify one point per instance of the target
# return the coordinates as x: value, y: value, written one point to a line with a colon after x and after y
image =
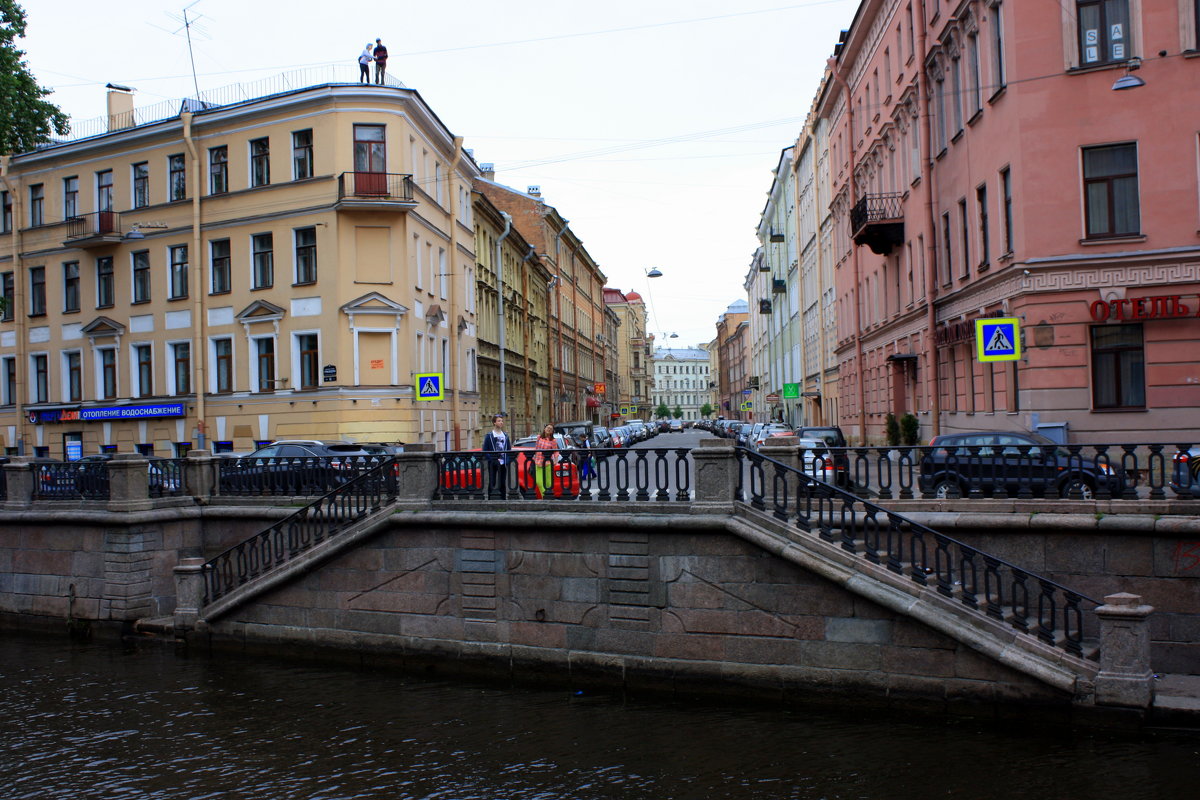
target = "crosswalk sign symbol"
x: 998, y: 339
x: 429, y: 386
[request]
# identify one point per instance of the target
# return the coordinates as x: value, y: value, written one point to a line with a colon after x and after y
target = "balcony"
x: 877, y: 220
x: 98, y: 229
x: 375, y: 191
x: 778, y: 286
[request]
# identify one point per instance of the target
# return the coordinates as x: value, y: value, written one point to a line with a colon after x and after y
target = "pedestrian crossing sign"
x: 429, y: 386
x: 998, y: 339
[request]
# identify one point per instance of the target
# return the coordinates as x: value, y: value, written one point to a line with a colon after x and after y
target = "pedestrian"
x: 364, y: 72
x: 495, y: 444
x: 380, y: 55
x: 583, y: 458
x: 543, y: 463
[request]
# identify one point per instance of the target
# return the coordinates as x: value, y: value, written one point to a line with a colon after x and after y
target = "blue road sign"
x: 429, y: 386
x: 998, y: 339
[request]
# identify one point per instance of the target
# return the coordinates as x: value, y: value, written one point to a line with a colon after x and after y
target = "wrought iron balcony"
x: 97, y: 229
x: 877, y: 220
x: 375, y: 190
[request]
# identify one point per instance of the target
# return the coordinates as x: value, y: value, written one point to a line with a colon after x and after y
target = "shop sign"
x: 791, y: 391
x: 1167, y: 306
x: 329, y: 373
x: 107, y: 413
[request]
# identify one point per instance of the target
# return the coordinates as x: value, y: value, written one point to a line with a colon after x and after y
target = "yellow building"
x: 633, y: 353
x: 280, y: 267
x: 523, y: 391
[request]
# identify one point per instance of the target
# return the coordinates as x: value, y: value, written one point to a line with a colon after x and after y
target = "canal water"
x: 106, y: 721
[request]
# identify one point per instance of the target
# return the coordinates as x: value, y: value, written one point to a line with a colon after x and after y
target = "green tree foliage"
x: 26, y: 120
x: 677, y: 413
x: 706, y: 410
x: 662, y: 412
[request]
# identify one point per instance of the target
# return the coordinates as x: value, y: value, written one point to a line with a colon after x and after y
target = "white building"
x: 684, y: 379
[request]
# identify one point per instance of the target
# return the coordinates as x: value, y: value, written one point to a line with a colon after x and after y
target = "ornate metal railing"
x: 324, y: 518
x: 166, y: 477
x: 1030, y: 603
x: 601, y: 474
x: 97, y: 223
x: 381, y: 186
x: 293, y: 476
x: 876, y: 208
x: 71, y: 480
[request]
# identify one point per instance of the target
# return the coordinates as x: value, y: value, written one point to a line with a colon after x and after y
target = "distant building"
x: 633, y: 354
x: 731, y: 359
x: 682, y: 378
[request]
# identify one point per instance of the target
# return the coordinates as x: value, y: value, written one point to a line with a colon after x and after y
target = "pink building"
x: 1026, y: 159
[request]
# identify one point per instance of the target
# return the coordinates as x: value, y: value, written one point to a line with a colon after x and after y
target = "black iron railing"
x: 872, y: 208
x: 601, y: 474
x: 1030, y: 603
x: 71, y: 480
x: 294, y: 476
x: 97, y: 223
x: 167, y: 477
x: 381, y: 186
x: 323, y: 519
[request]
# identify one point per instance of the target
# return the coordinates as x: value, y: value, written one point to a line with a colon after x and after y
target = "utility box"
x: 1054, y: 431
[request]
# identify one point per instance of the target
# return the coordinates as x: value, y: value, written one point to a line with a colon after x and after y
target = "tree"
x: 26, y: 120
x: 662, y: 412
x: 706, y: 410
x: 677, y: 413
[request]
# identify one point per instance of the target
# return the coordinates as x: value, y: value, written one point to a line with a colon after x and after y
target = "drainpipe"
x: 526, y: 331
x: 860, y: 390
x: 822, y: 342
x: 931, y: 289
x: 451, y: 310
x: 554, y: 401
x: 499, y: 257
x: 200, y: 323
x: 18, y: 295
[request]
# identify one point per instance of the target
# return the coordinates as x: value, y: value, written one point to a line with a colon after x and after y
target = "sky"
x: 654, y: 126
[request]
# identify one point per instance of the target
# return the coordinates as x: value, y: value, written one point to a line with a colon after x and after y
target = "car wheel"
x: 945, y: 489
x: 1077, y: 489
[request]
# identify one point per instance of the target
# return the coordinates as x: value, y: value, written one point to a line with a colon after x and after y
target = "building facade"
x: 1013, y: 159
x: 634, y: 355
x: 681, y: 382
x: 286, y: 266
x: 732, y: 368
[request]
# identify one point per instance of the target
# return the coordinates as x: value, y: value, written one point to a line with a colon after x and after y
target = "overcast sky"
x: 653, y: 125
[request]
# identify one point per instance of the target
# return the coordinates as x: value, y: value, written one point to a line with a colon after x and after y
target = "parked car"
x: 601, y: 437
x: 830, y: 434
x: 382, y: 448
x: 296, y: 466
x: 1185, y: 473
x: 985, y: 460
x: 675, y: 426
x: 761, y: 434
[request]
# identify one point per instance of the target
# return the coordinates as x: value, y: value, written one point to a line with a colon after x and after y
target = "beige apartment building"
x: 633, y: 355
x: 285, y: 266
x: 522, y: 391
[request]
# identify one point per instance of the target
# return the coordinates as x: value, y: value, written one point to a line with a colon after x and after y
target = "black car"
x: 296, y: 468
x: 830, y: 434
x: 962, y: 462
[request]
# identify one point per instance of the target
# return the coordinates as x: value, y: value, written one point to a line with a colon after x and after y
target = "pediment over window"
x: 103, y: 326
x: 260, y: 311
x: 374, y: 303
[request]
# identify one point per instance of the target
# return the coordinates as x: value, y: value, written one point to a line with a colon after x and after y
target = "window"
x: 1103, y: 31
x: 141, y: 276
x: 908, y: 27
x: 178, y: 275
x: 6, y: 213
x: 223, y: 362
x: 37, y: 205
x: 70, y: 197
x: 141, y: 185
x: 181, y: 358
x: 264, y: 356
x: 1118, y: 367
x: 37, y: 291
x: 39, y: 368
x: 73, y: 375
x: 999, y: 78
x: 1110, y: 188
x: 1006, y: 186
x: 302, y: 154
x: 947, y: 264
x: 104, y: 282
x: 107, y: 372
x: 261, y: 247
x: 939, y: 113
x: 984, y: 244
x: 975, y: 90
x: 6, y: 291
x: 143, y: 364
x: 306, y: 255
x: 957, y: 100
x: 177, y: 177
x: 260, y: 162
x: 10, y: 380
x: 307, y: 347
x: 964, y: 228
x: 369, y: 148
x: 219, y: 251
x: 218, y: 170
x: 104, y: 190
x: 70, y: 286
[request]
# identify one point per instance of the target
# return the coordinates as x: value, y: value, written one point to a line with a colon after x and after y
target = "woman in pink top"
x: 543, y: 463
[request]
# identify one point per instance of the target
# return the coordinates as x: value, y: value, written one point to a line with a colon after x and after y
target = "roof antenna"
x: 186, y: 24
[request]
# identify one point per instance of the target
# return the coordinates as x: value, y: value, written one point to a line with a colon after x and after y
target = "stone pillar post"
x: 200, y: 475
x: 1125, y: 677
x: 19, y: 476
x: 128, y: 483
x: 189, y: 592
x: 417, y: 473
x: 716, y: 471
x: 784, y: 449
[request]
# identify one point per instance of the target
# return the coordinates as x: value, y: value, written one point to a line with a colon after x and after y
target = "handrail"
x: 987, y: 584
x: 299, y: 532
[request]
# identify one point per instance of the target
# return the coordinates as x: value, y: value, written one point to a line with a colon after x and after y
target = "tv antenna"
x: 186, y: 24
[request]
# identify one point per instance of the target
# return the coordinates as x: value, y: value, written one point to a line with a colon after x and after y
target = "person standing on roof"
x: 380, y: 56
x: 364, y: 71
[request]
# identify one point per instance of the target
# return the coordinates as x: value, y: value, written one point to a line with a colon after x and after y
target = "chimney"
x: 534, y: 191
x: 120, y: 107
x: 489, y: 172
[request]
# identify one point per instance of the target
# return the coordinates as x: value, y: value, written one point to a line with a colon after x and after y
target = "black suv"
x: 961, y: 462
